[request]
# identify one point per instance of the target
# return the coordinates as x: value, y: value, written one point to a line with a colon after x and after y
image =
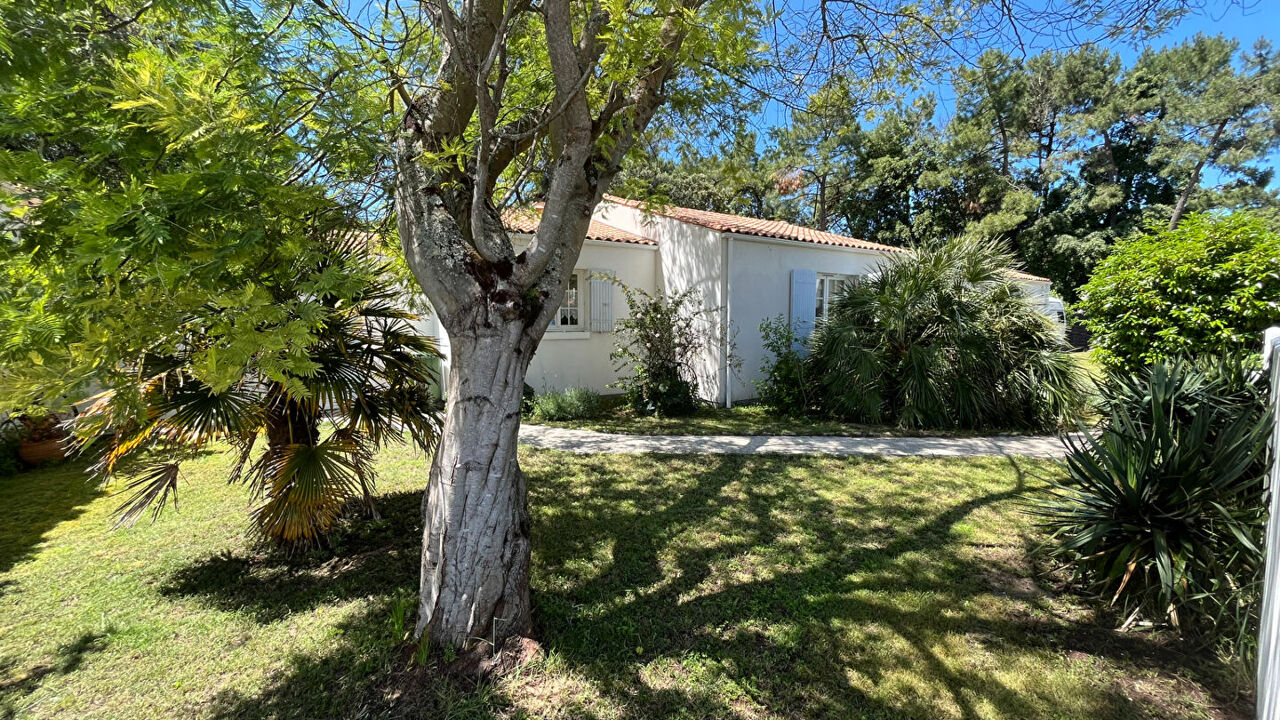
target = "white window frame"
x: 826, y: 290
x: 581, y: 279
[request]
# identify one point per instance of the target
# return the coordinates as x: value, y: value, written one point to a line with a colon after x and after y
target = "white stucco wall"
x: 760, y: 288
x: 581, y: 359
x: 757, y: 286
x: 691, y: 258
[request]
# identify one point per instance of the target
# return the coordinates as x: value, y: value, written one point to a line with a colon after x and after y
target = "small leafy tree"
x: 1209, y: 286
x: 659, y: 343
x: 786, y: 387
x: 944, y: 337
x: 175, y: 182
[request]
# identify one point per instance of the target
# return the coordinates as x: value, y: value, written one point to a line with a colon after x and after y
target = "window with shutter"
x: 601, y: 301
x: 803, y: 287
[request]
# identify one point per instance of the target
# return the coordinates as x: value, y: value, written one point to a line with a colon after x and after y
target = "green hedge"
x: 1210, y: 286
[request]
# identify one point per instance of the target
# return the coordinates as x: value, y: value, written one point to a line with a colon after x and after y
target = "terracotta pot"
x: 40, y: 452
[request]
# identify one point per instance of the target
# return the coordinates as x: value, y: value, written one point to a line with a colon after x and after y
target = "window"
x: 829, y: 288
x: 570, y: 317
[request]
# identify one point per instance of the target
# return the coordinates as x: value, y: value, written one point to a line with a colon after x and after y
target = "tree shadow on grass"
x: 67, y: 660
x: 365, y: 557
x: 721, y: 586
x: 35, y: 502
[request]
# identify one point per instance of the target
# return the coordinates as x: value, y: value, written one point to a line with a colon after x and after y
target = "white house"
x: 744, y: 270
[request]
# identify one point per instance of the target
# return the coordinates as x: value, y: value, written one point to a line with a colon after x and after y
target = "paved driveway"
x: 589, y: 441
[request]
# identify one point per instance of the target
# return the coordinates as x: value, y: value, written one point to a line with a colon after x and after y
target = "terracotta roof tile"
x: 1028, y: 276
x: 724, y: 222
x: 525, y: 220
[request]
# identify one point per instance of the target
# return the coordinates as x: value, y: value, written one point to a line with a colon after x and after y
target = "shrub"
x: 527, y: 396
x: 1210, y: 286
x: 944, y: 337
x: 304, y: 432
x: 659, y: 343
x: 786, y: 386
x: 1163, y: 512
x: 10, y: 435
x: 571, y: 404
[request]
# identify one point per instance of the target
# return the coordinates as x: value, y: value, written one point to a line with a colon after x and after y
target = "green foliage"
x: 574, y: 403
x: 1210, y: 286
x: 162, y: 172
x: 736, y: 180
x: 527, y: 396
x: 1214, y: 107
x: 1163, y: 511
x: 943, y: 337
x: 368, y: 374
x: 10, y: 435
x: 1061, y: 154
x: 658, y: 344
x: 786, y: 387
x: 187, y: 196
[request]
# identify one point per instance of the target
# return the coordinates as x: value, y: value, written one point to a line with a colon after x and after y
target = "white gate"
x: 1269, y: 633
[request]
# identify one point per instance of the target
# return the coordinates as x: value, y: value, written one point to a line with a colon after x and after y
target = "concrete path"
x: 589, y: 441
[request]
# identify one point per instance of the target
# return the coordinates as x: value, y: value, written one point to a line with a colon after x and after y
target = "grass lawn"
x: 1088, y: 363
x: 689, y: 587
x: 750, y: 419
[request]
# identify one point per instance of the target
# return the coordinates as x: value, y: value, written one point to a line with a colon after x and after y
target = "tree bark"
x: 1194, y: 181
x: 474, y: 583
x: 495, y: 303
x: 475, y: 560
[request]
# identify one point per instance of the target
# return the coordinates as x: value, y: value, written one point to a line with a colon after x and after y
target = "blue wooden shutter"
x: 804, y: 296
x: 601, y: 301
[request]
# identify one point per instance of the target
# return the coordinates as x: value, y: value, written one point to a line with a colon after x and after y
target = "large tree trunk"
x: 475, y: 536
x: 496, y: 302
x: 475, y: 560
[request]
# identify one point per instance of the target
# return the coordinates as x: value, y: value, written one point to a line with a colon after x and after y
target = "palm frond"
x: 944, y: 337
x: 155, y: 484
x: 306, y: 488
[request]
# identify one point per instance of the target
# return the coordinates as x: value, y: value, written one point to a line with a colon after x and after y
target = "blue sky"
x: 1244, y: 20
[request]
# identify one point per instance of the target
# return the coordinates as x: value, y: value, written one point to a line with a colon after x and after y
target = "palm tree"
x: 944, y: 337
x: 304, y: 441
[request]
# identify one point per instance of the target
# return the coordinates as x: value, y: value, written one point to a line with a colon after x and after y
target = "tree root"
x: 484, y: 661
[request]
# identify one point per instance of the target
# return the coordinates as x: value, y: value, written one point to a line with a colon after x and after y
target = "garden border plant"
x: 944, y: 337
x: 656, y: 349
x: 1211, y: 285
x: 1162, y: 511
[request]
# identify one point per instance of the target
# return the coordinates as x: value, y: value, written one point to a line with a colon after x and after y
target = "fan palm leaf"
x: 365, y: 371
x: 942, y: 338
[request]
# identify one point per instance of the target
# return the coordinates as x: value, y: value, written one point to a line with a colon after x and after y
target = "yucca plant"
x: 304, y: 441
x: 1162, y: 510
x: 944, y: 337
